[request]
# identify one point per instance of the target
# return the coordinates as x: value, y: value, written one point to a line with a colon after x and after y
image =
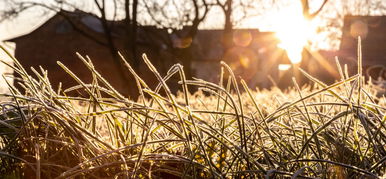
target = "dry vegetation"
x: 224, y: 130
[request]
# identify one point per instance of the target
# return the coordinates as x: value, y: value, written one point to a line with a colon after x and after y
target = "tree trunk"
x: 228, y: 26
x: 136, y: 60
x: 187, y: 52
x: 123, y: 73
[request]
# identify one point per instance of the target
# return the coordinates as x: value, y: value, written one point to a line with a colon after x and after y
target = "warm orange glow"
x: 242, y: 38
x: 294, y: 31
x: 244, y: 61
x: 284, y: 67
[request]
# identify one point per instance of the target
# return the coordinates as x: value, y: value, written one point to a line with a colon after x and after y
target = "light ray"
x: 293, y: 31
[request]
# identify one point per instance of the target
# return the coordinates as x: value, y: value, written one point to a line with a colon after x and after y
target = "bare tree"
x: 335, y: 11
x: 182, y: 19
x: 227, y: 8
x: 16, y: 8
x: 232, y: 7
x: 306, y: 9
x: 192, y: 14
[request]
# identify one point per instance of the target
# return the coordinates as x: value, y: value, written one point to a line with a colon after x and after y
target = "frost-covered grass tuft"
x: 224, y: 130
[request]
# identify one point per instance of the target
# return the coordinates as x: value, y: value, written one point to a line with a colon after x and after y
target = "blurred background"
x: 263, y: 41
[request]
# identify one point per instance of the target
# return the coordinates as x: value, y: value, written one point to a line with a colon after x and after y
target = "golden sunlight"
x: 293, y: 31
x: 284, y: 67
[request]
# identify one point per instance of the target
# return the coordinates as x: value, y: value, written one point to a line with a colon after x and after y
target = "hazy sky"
x: 262, y: 19
x: 33, y: 18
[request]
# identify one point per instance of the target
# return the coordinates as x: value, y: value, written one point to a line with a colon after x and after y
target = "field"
x: 224, y: 130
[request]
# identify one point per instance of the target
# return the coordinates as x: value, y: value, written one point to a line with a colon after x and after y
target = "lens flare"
x: 293, y: 31
x: 242, y: 38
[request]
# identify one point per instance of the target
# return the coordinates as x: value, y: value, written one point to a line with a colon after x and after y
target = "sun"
x: 293, y: 31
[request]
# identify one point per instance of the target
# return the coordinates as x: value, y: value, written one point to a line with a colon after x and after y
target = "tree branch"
x: 318, y: 11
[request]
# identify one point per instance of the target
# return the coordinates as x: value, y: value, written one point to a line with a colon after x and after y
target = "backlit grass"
x: 231, y: 131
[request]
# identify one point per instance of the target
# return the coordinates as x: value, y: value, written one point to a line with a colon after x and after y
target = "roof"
x: 209, y: 42
x: 150, y: 35
x: 34, y: 30
x: 87, y: 19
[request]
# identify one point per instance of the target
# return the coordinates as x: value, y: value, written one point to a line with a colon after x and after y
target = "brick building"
x: 372, y: 30
x: 254, y: 55
x: 58, y: 40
